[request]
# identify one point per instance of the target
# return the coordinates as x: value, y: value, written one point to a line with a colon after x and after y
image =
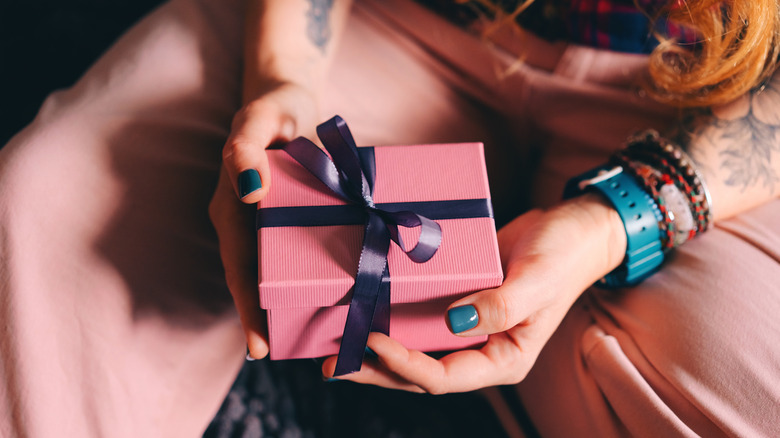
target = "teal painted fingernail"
x: 370, y: 353
x: 463, y: 318
x: 248, y: 182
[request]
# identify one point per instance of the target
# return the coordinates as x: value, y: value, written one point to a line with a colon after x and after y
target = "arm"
x: 550, y: 257
x: 289, y: 41
x: 288, y: 44
x: 735, y: 147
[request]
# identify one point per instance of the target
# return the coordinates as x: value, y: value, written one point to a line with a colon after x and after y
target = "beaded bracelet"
x: 678, y: 223
x: 649, y: 180
x: 681, y: 169
x: 668, y: 175
x: 671, y: 175
x: 655, y: 176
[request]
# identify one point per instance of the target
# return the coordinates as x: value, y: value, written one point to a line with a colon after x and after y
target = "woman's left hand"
x: 549, y: 258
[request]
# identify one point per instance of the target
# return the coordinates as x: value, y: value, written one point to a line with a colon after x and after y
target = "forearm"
x: 733, y: 147
x: 289, y: 41
x: 736, y: 148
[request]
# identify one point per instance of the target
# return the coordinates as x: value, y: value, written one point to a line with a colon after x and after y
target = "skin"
x: 288, y: 47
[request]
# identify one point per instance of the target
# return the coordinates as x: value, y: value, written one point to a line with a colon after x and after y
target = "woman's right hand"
x: 273, y: 116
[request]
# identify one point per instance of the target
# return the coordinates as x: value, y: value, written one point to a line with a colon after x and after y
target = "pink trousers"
x: 114, y: 316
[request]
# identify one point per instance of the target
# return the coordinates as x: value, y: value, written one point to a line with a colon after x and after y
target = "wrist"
x: 257, y: 86
x: 604, y: 229
x: 639, y: 214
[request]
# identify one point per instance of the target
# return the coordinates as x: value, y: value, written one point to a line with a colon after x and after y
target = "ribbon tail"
x: 362, y: 308
x: 381, y: 321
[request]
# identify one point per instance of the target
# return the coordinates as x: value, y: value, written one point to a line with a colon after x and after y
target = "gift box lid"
x: 314, y: 266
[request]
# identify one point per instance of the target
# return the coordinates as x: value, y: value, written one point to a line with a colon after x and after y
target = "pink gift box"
x: 307, y: 272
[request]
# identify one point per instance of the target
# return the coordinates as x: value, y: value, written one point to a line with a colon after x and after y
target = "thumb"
x: 535, y: 283
x: 549, y: 258
x: 496, y: 310
x: 255, y: 127
x: 490, y: 311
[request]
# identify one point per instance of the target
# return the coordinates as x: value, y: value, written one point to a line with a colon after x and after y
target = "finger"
x: 234, y: 222
x: 371, y: 373
x: 500, y: 361
x: 493, y: 310
x: 255, y: 127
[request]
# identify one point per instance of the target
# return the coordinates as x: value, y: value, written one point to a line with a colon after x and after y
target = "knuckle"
x: 434, y: 388
x: 212, y: 211
x: 234, y: 147
x: 220, y: 207
x: 215, y: 210
x: 231, y: 279
x: 215, y: 215
x: 518, y: 366
x: 247, y: 112
x: 436, y: 384
x: 518, y: 374
x: 500, y: 312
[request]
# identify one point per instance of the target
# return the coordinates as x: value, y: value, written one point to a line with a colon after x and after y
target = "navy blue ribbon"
x: 350, y: 174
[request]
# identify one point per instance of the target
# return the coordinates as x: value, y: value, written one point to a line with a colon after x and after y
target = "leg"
x: 115, y: 317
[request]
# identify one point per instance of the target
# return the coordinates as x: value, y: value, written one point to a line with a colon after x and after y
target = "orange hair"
x: 737, y: 49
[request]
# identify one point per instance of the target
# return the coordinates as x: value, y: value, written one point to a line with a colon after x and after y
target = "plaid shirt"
x: 619, y: 25
x: 609, y: 24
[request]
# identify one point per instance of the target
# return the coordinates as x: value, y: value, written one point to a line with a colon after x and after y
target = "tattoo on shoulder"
x: 318, y: 27
x: 745, y: 134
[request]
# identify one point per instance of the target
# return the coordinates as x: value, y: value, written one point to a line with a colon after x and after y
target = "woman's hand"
x: 549, y: 258
x: 244, y: 180
x: 287, y: 47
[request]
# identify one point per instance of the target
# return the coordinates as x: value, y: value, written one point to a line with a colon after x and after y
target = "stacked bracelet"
x: 659, y: 195
x: 652, y: 180
x: 675, y: 184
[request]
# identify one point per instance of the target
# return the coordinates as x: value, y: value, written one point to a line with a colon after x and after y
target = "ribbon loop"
x: 428, y: 241
x: 338, y: 141
x: 351, y: 175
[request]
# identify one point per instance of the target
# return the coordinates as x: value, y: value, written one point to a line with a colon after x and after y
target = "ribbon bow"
x: 351, y: 176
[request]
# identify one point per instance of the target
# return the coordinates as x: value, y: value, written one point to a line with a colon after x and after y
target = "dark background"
x: 47, y: 44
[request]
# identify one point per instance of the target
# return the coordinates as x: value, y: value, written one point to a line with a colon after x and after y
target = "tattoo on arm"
x: 746, y: 136
x: 318, y: 27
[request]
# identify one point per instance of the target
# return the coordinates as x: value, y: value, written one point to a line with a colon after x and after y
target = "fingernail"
x: 331, y: 380
x: 249, y: 355
x: 370, y: 353
x: 248, y: 182
x: 463, y: 318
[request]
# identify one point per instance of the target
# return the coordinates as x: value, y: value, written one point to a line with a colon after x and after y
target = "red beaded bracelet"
x: 668, y: 175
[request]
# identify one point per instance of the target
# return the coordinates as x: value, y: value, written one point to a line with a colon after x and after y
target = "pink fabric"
x: 303, y: 270
x: 115, y: 317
